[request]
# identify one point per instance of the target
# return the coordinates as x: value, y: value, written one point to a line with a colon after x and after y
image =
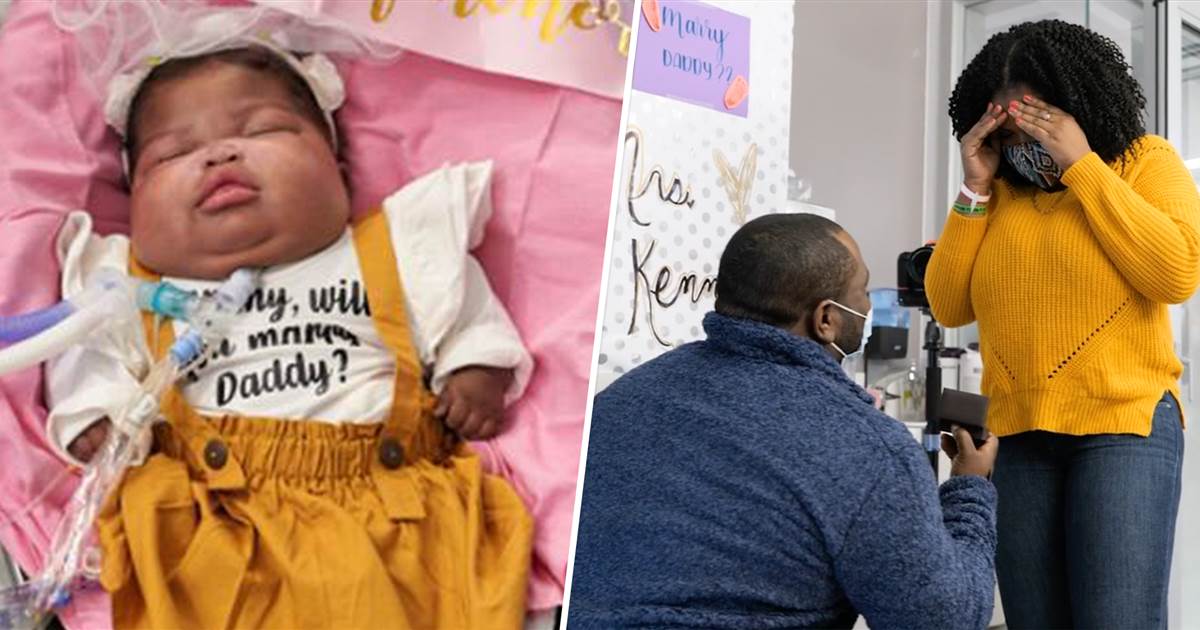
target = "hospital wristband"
x: 975, y: 198
x: 967, y: 210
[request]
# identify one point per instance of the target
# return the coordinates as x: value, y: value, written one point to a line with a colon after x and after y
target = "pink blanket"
x: 554, y: 150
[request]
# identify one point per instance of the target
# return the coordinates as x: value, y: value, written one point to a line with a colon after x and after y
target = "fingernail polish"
x: 1028, y: 98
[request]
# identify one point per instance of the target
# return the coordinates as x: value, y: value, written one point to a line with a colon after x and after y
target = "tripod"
x: 931, y: 438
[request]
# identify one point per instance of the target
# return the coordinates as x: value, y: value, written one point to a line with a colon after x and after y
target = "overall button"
x: 391, y: 454
x: 215, y: 454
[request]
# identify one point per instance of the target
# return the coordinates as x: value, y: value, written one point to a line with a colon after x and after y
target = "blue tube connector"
x: 187, y: 348
x: 166, y: 299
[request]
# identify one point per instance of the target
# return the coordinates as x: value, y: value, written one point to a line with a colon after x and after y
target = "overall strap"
x: 398, y: 442
x: 385, y: 294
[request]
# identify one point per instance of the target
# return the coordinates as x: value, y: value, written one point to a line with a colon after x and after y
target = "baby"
x: 305, y: 473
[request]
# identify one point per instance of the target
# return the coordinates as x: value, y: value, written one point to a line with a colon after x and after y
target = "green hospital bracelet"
x: 963, y: 208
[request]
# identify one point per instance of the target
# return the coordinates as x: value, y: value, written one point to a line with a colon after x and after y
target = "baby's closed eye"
x: 168, y: 149
x: 270, y: 121
x: 262, y: 130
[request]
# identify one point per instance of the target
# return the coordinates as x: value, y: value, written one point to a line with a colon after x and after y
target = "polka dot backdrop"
x: 664, y: 253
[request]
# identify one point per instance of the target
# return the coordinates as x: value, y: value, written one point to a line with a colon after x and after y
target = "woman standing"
x: 1073, y: 231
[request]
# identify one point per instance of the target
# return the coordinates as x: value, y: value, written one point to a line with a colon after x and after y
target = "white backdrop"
x: 659, y: 292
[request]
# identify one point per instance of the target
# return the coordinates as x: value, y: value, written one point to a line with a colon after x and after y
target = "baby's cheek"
x: 156, y: 234
x: 158, y: 247
x: 317, y: 204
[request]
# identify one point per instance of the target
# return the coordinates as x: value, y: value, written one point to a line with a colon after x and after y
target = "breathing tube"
x: 112, y: 299
x: 21, y: 327
x: 73, y: 562
x: 42, y: 334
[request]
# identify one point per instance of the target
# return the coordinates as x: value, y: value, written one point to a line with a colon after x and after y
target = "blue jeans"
x: 1086, y: 526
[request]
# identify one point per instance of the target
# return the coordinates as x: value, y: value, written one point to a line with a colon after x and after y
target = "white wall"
x: 858, y: 120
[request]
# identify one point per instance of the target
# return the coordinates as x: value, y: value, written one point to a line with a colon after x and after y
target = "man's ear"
x: 822, y: 325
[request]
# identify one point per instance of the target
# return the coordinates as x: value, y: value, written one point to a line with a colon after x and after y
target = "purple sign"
x: 695, y: 53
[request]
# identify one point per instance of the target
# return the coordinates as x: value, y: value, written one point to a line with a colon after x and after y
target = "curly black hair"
x: 1070, y: 67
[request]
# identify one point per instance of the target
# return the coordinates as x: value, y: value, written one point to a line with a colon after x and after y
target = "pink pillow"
x: 554, y: 152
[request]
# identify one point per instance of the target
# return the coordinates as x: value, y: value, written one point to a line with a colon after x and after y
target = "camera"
x: 910, y: 277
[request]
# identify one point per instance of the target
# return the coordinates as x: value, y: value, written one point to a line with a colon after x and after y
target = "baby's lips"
x: 737, y: 92
x: 650, y: 11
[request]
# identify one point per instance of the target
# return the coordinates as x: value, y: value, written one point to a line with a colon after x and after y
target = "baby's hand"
x: 472, y: 403
x: 85, y: 446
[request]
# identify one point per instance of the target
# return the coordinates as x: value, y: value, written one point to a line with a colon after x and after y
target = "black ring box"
x: 967, y: 410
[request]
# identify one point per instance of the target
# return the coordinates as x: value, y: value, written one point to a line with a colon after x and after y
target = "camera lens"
x: 910, y: 276
x: 917, y: 263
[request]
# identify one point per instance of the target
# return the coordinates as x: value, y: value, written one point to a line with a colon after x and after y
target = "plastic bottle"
x: 970, y: 373
x: 904, y: 394
x: 950, y: 360
x: 912, y: 399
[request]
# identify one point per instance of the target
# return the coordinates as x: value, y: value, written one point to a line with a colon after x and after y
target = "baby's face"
x: 230, y: 174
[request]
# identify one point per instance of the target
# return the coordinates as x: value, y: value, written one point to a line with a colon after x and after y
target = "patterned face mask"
x: 1034, y: 163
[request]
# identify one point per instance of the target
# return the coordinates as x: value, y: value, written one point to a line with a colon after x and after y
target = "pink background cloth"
x: 554, y: 150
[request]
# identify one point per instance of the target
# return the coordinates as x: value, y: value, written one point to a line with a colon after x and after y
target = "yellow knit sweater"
x: 1070, y: 290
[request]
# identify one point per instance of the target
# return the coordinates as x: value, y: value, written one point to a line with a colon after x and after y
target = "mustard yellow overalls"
x: 268, y: 523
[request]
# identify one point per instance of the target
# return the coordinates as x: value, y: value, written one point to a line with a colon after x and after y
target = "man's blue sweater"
x: 744, y: 482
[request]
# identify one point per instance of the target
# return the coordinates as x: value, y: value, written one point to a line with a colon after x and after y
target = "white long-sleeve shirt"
x: 305, y: 347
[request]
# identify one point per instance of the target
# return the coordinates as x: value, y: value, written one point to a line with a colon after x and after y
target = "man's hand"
x: 965, y: 459
x: 472, y: 403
